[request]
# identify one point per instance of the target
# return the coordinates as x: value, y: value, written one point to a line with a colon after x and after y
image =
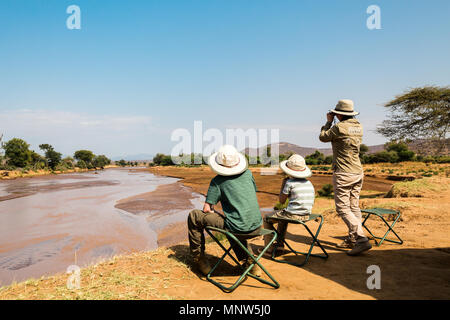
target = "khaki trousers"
x: 347, y: 187
x: 198, y: 221
x: 282, y: 225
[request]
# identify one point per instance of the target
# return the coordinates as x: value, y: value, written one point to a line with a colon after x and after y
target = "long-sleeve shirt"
x: 346, y: 139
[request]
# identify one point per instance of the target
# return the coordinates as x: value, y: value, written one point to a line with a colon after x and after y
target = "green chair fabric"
x: 255, y: 260
x: 314, y: 242
x: 381, y: 213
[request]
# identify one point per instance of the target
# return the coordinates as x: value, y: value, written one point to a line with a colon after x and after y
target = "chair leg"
x: 307, y: 254
x: 390, y: 228
x: 246, y: 273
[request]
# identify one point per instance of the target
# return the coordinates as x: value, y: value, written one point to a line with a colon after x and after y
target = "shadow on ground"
x: 406, y: 273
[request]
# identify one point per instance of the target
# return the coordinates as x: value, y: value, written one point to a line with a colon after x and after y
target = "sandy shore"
x: 170, y: 197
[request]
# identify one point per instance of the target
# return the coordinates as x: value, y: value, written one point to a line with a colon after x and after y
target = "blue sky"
x: 137, y: 70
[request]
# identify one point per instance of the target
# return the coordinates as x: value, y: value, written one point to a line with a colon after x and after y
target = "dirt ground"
x: 418, y: 269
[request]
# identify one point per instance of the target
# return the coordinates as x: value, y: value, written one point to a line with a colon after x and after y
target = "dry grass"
x: 142, y: 275
x: 427, y: 187
x: 22, y: 173
x: 408, y: 168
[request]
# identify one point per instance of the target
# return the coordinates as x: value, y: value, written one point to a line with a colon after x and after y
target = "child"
x: 301, y: 197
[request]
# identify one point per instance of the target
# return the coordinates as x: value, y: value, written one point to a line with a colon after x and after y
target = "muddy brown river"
x: 49, y: 223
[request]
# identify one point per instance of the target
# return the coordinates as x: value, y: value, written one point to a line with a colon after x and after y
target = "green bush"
x: 81, y: 164
x: 326, y: 191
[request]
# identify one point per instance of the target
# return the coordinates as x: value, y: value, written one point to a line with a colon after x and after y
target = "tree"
x: 38, y: 161
x: 158, y: 158
x: 315, y: 158
x: 419, y: 114
x: 121, y: 163
x: 363, y: 149
x: 383, y: 156
x: 162, y: 160
x: 81, y: 164
x: 52, y: 157
x: 85, y: 155
x: 68, y: 162
x: 17, y: 152
x: 101, y: 161
x: 404, y: 154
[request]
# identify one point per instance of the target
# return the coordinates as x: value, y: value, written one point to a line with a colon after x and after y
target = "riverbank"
x: 418, y: 269
x: 22, y: 173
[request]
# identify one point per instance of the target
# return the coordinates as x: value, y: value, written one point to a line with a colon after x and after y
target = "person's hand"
x: 208, y: 208
x: 330, y: 116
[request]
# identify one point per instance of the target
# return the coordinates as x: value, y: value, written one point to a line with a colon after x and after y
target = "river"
x: 49, y: 223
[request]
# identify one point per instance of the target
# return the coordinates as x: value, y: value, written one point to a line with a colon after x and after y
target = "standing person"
x: 235, y: 188
x: 346, y: 138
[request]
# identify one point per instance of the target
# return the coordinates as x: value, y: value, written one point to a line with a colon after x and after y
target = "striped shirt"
x: 301, y: 196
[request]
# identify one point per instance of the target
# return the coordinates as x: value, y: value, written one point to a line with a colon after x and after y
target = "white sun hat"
x: 345, y: 107
x: 295, y: 167
x: 228, y: 161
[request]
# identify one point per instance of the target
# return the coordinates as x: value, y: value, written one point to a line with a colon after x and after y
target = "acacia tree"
x: 52, y: 157
x: 419, y: 114
x: 84, y: 155
x: 101, y: 161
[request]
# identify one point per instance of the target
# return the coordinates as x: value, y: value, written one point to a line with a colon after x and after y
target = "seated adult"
x: 235, y: 188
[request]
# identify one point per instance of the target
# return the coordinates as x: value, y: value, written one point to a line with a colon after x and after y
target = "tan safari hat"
x: 228, y: 161
x: 295, y: 167
x: 345, y: 107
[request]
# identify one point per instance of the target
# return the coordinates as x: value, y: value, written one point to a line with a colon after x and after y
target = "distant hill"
x: 286, y: 147
x: 418, y: 146
x: 135, y: 157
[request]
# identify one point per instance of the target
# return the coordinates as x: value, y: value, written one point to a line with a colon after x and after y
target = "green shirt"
x: 237, y: 195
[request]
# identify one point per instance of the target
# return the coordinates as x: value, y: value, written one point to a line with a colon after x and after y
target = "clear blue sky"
x: 137, y: 70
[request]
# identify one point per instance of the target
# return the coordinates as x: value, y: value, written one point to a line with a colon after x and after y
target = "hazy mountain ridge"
x: 286, y: 147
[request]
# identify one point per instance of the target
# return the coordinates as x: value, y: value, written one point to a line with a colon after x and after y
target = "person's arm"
x: 254, y: 184
x: 327, y: 133
x: 212, y: 197
x: 284, y: 192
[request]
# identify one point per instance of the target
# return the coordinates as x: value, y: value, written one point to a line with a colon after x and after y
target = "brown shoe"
x: 202, y: 264
x: 347, y: 243
x: 359, y: 248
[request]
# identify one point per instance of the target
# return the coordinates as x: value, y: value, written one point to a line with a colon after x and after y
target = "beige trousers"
x: 347, y: 187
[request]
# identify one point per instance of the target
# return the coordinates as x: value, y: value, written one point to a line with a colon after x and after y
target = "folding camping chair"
x: 380, y: 212
x: 235, y: 240
x: 314, y: 237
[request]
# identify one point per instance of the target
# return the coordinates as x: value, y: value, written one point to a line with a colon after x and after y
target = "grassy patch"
x: 144, y: 275
x: 427, y: 187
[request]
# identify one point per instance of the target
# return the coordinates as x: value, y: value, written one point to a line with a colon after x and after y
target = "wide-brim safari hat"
x: 228, y: 161
x: 345, y: 107
x: 296, y: 167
